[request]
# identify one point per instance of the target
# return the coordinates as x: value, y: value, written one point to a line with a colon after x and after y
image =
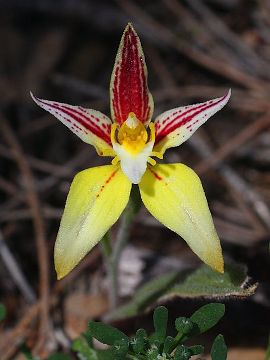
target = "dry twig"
x: 39, y: 227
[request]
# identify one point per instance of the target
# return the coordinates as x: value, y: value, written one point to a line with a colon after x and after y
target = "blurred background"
x: 64, y: 51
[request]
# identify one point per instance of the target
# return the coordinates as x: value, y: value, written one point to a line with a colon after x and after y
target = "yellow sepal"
x: 95, y: 201
x: 174, y: 195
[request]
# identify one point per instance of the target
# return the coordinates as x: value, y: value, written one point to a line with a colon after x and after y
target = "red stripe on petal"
x: 183, y: 118
x: 82, y: 119
x: 107, y: 181
x: 158, y: 177
x: 87, y: 121
x: 129, y: 89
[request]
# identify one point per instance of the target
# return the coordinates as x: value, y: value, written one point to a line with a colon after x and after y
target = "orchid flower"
x: 172, y: 193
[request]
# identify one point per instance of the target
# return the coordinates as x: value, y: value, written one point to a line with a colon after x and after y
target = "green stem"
x: 177, y: 340
x: 119, y: 245
x: 106, y: 246
x: 112, y: 255
x: 123, y: 232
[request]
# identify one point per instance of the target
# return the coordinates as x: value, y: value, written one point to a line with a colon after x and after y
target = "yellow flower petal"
x: 174, y: 195
x: 95, y: 201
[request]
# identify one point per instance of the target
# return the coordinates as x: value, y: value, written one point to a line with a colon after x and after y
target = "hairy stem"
x: 112, y: 255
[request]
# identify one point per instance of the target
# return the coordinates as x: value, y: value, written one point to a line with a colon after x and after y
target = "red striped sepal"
x: 175, y: 126
x: 91, y: 126
x: 128, y: 89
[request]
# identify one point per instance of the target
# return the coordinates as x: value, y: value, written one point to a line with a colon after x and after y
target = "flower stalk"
x: 112, y: 255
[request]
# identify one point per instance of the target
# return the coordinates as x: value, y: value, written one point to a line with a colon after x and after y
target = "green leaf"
x: 88, y: 337
x: 219, y: 349
x: 182, y: 353
x: 206, y: 317
x: 106, y: 333
x: 152, y: 354
x: 209, y: 284
x: 196, y: 349
x: 86, y: 352
x: 2, y: 312
x: 82, y: 347
x: 202, y: 283
x: 120, y: 348
x: 106, y: 355
x: 139, y: 341
x: 183, y: 325
x: 168, y: 344
x: 160, y: 319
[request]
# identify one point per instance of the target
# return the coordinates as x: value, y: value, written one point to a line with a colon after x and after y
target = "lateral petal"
x: 175, y: 126
x: 173, y: 194
x: 91, y: 126
x: 95, y: 201
x: 128, y: 88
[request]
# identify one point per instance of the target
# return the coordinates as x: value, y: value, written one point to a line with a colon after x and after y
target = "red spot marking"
x: 130, y: 90
x: 155, y: 174
x: 106, y: 183
x: 175, y: 123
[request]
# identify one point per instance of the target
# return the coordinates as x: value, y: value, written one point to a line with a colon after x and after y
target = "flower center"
x: 133, y: 147
x: 132, y: 135
x: 133, y: 138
